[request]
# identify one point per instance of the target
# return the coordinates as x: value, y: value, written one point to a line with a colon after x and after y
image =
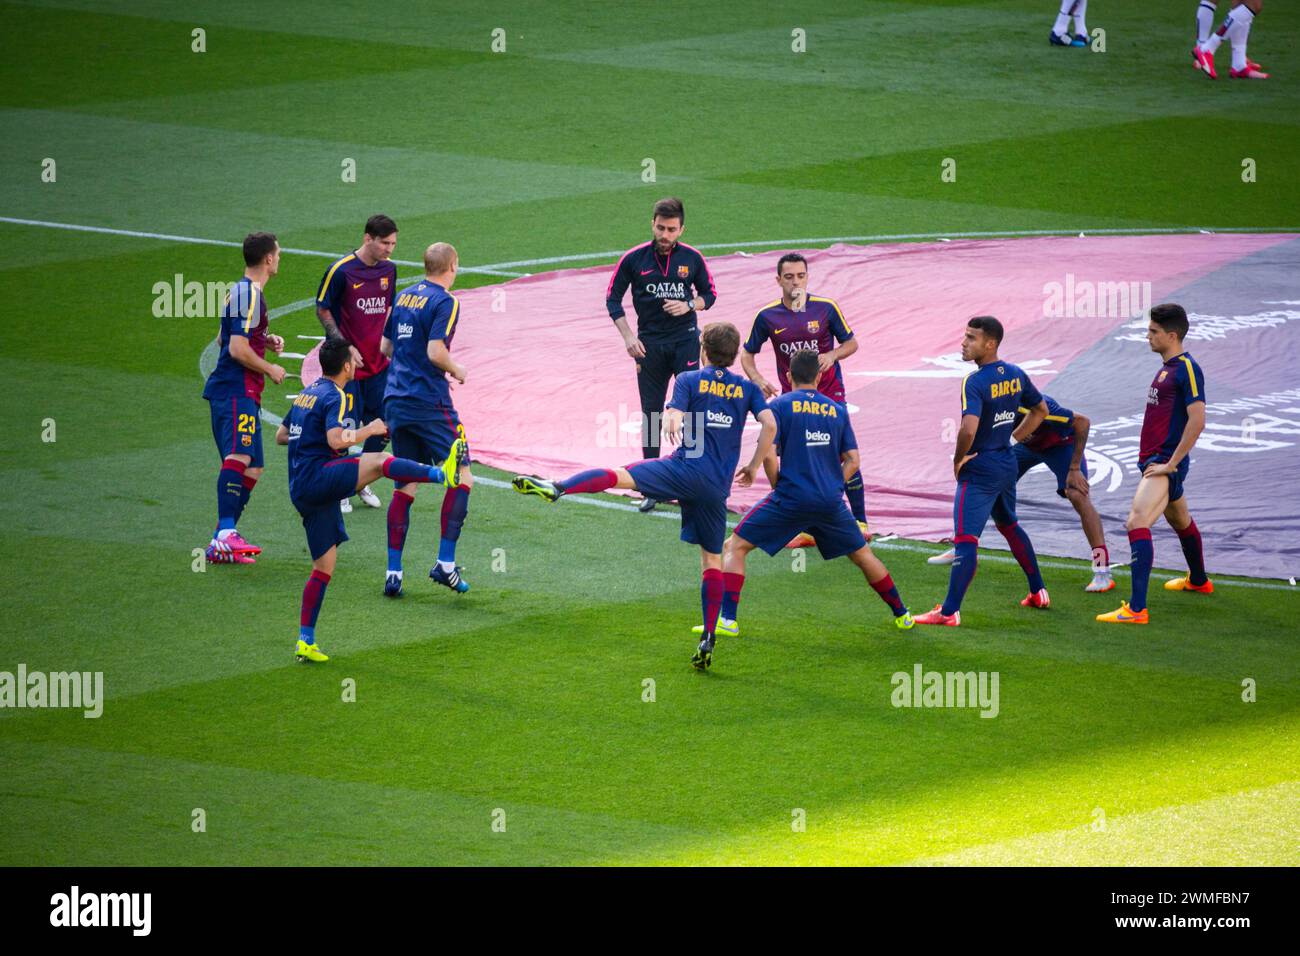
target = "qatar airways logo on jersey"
x: 816, y: 439
x: 718, y: 419
x: 1003, y: 418
x: 793, y: 348
x: 667, y: 290
x: 1153, y: 394
x: 372, y: 305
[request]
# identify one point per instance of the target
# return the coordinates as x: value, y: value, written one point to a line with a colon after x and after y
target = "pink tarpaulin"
x: 550, y: 389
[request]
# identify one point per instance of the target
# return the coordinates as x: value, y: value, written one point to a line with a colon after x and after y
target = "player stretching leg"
x: 421, y: 417
x: 1070, y: 8
x: 353, y: 302
x: 699, y: 472
x: 234, y: 394
x: 1174, y: 419
x: 800, y: 322
x: 320, y: 476
x: 985, y: 466
x: 1059, y: 443
x: 1236, y: 27
x: 817, y: 449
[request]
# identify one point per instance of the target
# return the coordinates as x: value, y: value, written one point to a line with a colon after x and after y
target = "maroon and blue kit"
x: 816, y: 329
x: 234, y: 393
x: 986, y: 484
x: 1177, y: 386
x: 360, y: 297
x: 1050, y: 444
x: 813, y: 434
x: 715, y: 404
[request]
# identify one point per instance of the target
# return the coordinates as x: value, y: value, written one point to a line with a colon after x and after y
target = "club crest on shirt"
x: 683, y: 271
x: 1161, y: 376
x: 383, y: 283
x: 814, y: 325
x: 1001, y: 370
x: 717, y: 373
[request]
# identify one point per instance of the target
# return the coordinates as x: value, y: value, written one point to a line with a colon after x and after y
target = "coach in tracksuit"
x: 670, y: 282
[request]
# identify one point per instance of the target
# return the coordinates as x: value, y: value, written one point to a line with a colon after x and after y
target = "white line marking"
x: 194, y: 240
x: 941, y: 236
x: 499, y: 268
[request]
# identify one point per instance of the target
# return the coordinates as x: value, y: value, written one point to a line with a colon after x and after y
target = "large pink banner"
x: 550, y: 389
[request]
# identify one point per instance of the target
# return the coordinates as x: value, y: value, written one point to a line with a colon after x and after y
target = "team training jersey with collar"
x: 654, y: 279
x: 423, y: 313
x: 359, y: 297
x: 994, y: 392
x: 718, y: 402
x: 816, y: 329
x: 1177, y: 386
x: 244, y: 314
x: 317, y: 409
x: 812, y: 433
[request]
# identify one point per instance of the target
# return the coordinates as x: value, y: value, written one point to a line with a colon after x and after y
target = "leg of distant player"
x: 877, y: 575
x: 1149, y: 501
x: 1004, y: 517
x: 857, y: 497
x: 712, y: 590
x: 1242, y: 18
x: 235, y: 483
x: 1080, y: 24
x: 971, y: 506
x: 1069, y: 8
x: 455, y: 506
x: 313, y: 595
x: 1204, y: 20
x: 1189, y: 536
x: 1092, y: 530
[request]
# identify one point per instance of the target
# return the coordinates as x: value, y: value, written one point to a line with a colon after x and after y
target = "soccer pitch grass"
x: 526, y: 694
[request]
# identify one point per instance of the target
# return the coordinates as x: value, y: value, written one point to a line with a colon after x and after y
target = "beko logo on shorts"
x: 813, y: 439
x: 719, y: 419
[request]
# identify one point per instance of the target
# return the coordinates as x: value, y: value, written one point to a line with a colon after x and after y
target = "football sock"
x: 247, y: 490
x: 1101, y: 560
x: 230, y: 494
x: 399, y: 520
x: 1024, y: 552
x: 1242, y: 17
x: 1080, y: 9
x: 455, y: 505
x: 1217, y: 36
x: 312, y: 597
x: 1144, y: 554
x: 1063, y: 18
x: 711, y: 591
x: 731, y: 585
x: 960, y: 574
x: 889, y: 594
x: 588, y: 482
x: 856, y: 494
x: 1190, y: 539
x: 1204, y: 21
x: 404, y: 471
